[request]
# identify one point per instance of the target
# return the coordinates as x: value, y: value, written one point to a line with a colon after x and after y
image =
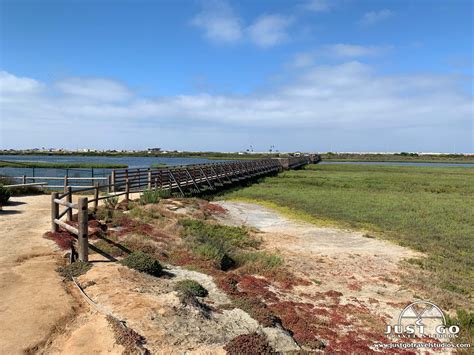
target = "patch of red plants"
x: 130, y: 225
x: 257, y: 287
x: 64, y: 240
x: 354, y: 286
x: 248, y: 301
x: 286, y: 280
x: 333, y: 294
x: 302, y: 319
x: 249, y: 344
x: 215, y: 209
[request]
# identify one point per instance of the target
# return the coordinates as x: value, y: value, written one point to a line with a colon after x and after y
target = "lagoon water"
x: 132, y: 162
x: 394, y: 163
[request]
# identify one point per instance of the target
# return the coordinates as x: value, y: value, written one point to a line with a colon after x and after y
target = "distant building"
x: 154, y: 150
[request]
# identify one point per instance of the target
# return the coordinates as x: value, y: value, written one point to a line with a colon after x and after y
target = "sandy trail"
x: 365, y: 270
x: 33, y: 301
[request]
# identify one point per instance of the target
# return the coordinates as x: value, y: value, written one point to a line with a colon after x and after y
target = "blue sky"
x: 313, y: 75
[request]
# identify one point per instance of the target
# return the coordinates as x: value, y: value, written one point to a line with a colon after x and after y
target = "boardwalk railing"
x: 65, y: 181
x: 184, y: 180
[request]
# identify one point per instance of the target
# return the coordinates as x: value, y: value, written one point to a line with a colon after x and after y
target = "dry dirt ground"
x: 350, y: 274
x: 364, y: 269
x: 35, y: 305
x: 32, y: 299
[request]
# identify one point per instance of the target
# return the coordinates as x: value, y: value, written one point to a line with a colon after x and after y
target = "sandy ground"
x: 37, y: 313
x: 34, y: 304
x: 365, y: 270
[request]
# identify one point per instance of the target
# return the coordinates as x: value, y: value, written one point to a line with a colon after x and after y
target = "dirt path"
x: 36, y: 312
x: 365, y: 270
x: 33, y: 301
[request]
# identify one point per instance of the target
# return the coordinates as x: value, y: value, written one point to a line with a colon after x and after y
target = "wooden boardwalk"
x: 185, y: 180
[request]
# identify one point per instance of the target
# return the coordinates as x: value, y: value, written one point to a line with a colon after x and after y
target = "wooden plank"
x: 30, y: 184
x: 65, y: 203
x: 69, y: 200
x: 54, y: 212
x: 66, y: 226
x: 83, y: 232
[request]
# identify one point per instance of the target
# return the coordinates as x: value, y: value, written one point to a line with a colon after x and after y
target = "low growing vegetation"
x: 143, y: 262
x: 249, y: 344
x: 190, y: 288
x: 428, y: 209
x: 398, y: 157
x: 153, y: 196
x: 16, y: 191
x: 215, y: 242
x: 4, y: 195
x: 74, y: 270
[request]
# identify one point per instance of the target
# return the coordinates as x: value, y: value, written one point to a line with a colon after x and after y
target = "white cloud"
x: 354, y: 51
x: 219, y: 22
x: 94, y: 89
x: 13, y: 84
x: 269, y: 30
x: 340, y: 98
x: 318, y: 5
x: 222, y: 25
x: 373, y: 17
x: 337, y: 51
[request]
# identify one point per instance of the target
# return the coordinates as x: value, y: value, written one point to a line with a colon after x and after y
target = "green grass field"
x: 429, y: 209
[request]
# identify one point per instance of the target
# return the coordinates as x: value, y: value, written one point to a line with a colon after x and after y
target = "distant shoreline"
x: 335, y: 157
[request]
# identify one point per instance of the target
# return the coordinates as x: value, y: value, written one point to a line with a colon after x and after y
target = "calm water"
x: 132, y: 162
x: 441, y: 165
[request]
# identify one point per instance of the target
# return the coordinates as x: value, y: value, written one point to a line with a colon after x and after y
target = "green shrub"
x: 143, y: 262
x: 153, y: 196
x: 190, y: 288
x: 74, y: 270
x: 216, y: 242
x: 19, y: 190
x: 4, y: 195
x: 111, y: 201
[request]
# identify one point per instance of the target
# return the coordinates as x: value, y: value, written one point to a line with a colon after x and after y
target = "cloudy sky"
x: 311, y: 75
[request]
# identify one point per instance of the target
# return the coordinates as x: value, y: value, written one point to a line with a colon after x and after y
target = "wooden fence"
x: 65, y: 181
x: 184, y: 180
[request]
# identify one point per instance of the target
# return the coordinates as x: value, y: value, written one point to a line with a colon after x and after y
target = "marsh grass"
x: 229, y: 247
x: 428, y: 209
x: 258, y: 262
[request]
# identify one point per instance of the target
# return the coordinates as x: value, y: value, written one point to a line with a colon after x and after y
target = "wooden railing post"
x: 109, y: 183
x: 54, y: 212
x: 96, y: 197
x: 149, y: 179
x: 24, y: 179
x: 127, y: 189
x: 83, y: 237
x: 69, y: 199
x: 112, y: 177
x: 65, y: 182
